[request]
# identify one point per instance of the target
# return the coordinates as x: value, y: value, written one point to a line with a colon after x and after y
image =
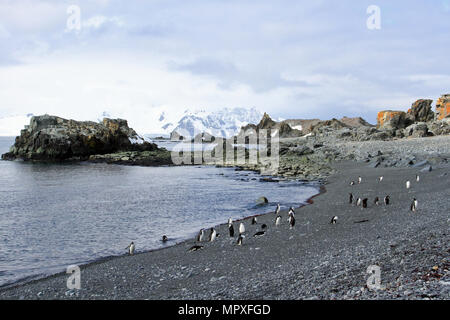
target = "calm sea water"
x: 52, y: 216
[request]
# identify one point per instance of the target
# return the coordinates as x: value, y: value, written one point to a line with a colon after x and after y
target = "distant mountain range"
x: 225, y: 122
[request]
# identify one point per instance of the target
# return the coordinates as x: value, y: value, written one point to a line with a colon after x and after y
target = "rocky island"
x: 53, y: 139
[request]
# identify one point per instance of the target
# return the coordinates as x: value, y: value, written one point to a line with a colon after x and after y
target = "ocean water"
x: 55, y: 215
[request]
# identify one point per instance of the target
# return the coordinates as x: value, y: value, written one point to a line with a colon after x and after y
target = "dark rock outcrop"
x: 51, y: 138
x: 421, y: 111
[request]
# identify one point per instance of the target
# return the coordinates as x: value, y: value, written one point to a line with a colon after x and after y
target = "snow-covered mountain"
x: 223, y: 123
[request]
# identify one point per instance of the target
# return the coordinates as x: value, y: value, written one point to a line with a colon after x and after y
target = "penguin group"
x: 363, y: 202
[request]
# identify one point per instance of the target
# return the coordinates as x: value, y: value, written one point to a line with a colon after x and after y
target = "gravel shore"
x: 315, y: 260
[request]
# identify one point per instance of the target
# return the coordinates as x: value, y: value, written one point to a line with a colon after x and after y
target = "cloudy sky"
x: 293, y: 59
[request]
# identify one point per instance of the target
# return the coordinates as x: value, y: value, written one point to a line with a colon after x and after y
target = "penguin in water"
x: 364, y: 203
x: 291, y: 220
x: 277, y: 210
x: 241, y: 228
x: 417, y: 178
x: 131, y: 247
x: 350, y: 199
x: 334, y: 220
x: 212, y: 235
x: 387, y: 199
x: 230, y: 227
x: 414, y: 205
x: 195, y: 248
x: 254, y: 220
x: 164, y: 238
x: 201, y: 235
x: 377, y: 201
x: 408, y: 184
x: 278, y: 220
x: 359, y: 180
x: 240, y: 240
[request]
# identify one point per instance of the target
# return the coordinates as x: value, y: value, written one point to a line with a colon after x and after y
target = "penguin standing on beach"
x: 364, y: 203
x: 291, y: 220
x: 358, y: 202
x: 278, y: 220
x: 291, y: 211
x: 359, y: 180
x: 334, y: 220
x: 254, y: 220
x: 240, y: 240
x: 212, y: 235
x: 377, y: 201
x: 201, y: 235
x: 387, y: 199
x: 408, y: 184
x: 417, y: 178
x: 414, y: 205
x: 231, y: 228
x: 352, y: 183
x: 277, y: 210
x: 241, y: 228
x: 131, y: 247
x: 380, y: 179
x: 350, y: 199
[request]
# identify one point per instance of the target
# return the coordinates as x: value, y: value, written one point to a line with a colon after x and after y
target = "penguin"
x: 240, y: 240
x: 387, y: 200
x: 131, y: 248
x: 195, y: 248
x: 241, y: 228
x: 263, y: 226
x: 164, y: 238
x: 408, y: 184
x: 277, y: 220
x: 200, y: 235
x: 350, y: 200
x: 230, y: 222
x: 334, y: 220
x: 414, y: 205
x: 417, y: 178
x: 212, y: 235
x: 259, y: 234
x: 380, y: 179
x: 277, y: 210
x: 358, y: 202
x: 359, y: 180
x: 291, y: 211
x: 231, y: 230
x: 377, y: 201
x: 364, y: 203
x: 254, y: 220
x: 352, y: 183
x: 291, y: 221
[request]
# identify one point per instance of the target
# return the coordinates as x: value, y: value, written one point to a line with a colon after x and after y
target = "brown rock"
x: 443, y: 107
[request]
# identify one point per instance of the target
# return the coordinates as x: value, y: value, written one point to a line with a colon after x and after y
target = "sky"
x: 292, y: 59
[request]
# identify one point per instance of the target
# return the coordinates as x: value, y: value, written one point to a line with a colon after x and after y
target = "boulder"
x: 389, y: 119
x: 443, y: 107
x: 51, y: 138
x: 421, y: 111
x: 416, y: 130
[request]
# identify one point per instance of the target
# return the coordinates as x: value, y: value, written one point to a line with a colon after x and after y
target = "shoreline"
x: 41, y: 277
x: 174, y: 273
